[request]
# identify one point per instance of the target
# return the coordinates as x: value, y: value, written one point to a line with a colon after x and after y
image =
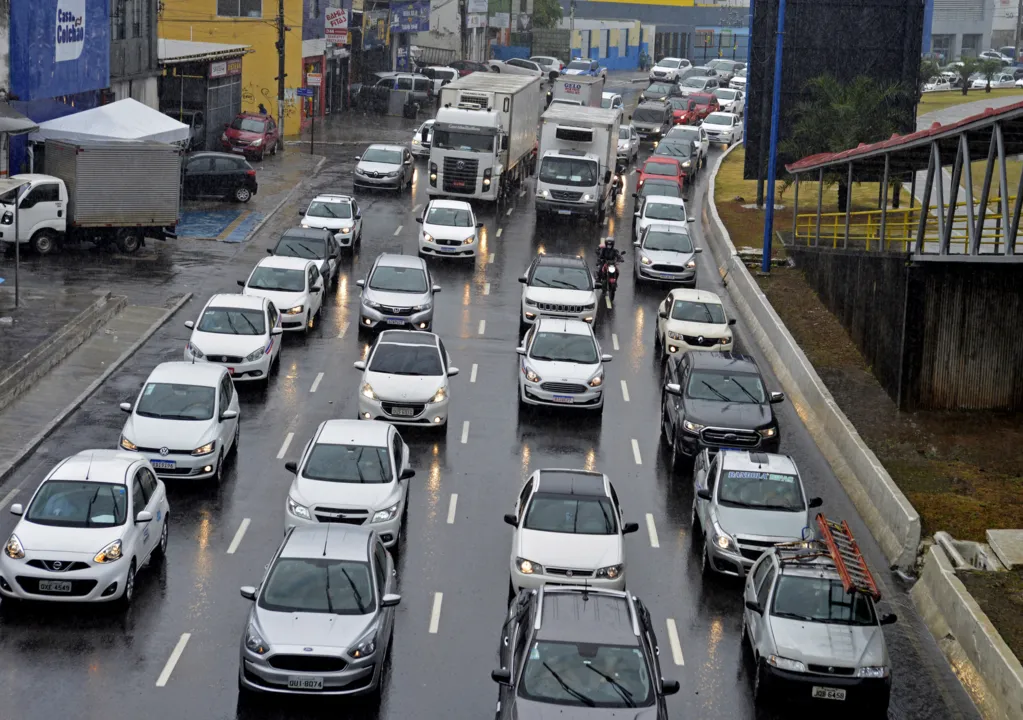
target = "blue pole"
x: 749, y: 59
x: 772, y: 161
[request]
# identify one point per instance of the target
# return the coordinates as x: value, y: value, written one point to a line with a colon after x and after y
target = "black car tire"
x: 160, y: 551
x: 761, y: 696
x: 241, y: 194
x: 124, y: 602
x: 273, y: 150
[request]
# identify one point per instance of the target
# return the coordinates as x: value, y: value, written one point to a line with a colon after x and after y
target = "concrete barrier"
x: 892, y: 520
x: 990, y: 671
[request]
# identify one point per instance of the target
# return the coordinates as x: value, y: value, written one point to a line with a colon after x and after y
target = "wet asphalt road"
x: 89, y: 663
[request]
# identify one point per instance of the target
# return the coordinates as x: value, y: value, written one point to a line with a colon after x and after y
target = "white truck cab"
x: 42, y: 211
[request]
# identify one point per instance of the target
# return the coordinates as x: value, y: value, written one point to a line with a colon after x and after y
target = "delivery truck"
x: 578, y: 154
x: 485, y: 136
x: 103, y: 192
x: 583, y: 90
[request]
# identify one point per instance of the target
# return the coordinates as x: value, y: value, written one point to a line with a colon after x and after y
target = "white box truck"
x: 578, y: 153
x: 578, y: 90
x: 484, y: 138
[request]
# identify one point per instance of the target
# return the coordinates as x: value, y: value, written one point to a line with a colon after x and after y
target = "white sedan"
x: 293, y: 285
x: 338, y: 213
x: 241, y: 332
x: 730, y: 100
x: 568, y: 530
x: 420, y: 143
x: 561, y: 364
x: 661, y: 210
x: 95, y: 520
x: 690, y: 319
x: 405, y: 379
x: 937, y: 84
x: 723, y: 127
x: 1001, y: 80
x: 517, y: 66
x: 628, y: 144
x: 185, y: 421
x: 449, y: 229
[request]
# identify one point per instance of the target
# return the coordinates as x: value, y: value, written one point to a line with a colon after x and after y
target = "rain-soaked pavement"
x: 88, y: 663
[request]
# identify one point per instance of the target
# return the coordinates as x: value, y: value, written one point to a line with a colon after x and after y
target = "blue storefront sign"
x: 59, y: 47
x: 409, y: 17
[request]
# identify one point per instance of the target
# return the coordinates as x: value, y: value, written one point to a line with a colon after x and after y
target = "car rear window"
x: 661, y: 168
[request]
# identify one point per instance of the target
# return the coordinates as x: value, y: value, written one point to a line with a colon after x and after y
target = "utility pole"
x: 463, y: 7
x: 571, y: 27
x: 280, y: 68
x: 1019, y: 28
x: 772, y: 161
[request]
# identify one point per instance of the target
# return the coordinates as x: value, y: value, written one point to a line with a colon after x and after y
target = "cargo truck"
x: 577, y: 90
x: 578, y: 154
x: 484, y: 138
x: 113, y: 192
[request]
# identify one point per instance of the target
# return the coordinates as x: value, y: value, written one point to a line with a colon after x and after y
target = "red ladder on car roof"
x: 852, y: 568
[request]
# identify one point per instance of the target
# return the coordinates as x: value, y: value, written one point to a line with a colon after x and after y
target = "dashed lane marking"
x: 10, y: 496
x: 438, y: 599
x: 490, y: 260
x: 472, y: 376
x: 486, y: 288
x: 651, y: 530
x: 522, y: 192
x: 342, y: 331
x: 316, y: 382
x: 483, y: 327
x: 398, y: 230
x: 508, y: 214
x: 465, y: 432
x: 625, y: 391
x: 416, y: 209
x: 614, y: 341
x: 237, y: 540
x: 284, y: 447
x: 635, y: 451
x: 607, y: 301
x: 676, y: 646
x: 500, y: 231
x: 452, y: 505
x: 173, y: 660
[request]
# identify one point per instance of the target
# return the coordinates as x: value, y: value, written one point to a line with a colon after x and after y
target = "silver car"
x: 561, y: 364
x: 665, y: 253
x: 398, y: 293
x: 384, y: 166
x: 322, y: 616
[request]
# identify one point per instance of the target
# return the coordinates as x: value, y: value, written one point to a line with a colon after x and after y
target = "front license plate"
x: 395, y: 321
x: 403, y: 411
x: 238, y: 150
x: 163, y: 464
x: 305, y: 683
x: 567, y: 399
x: 444, y: 248
x: 564, y: 212
x: 826, y: 693
x: 61, y: 586
x: 457, y: 183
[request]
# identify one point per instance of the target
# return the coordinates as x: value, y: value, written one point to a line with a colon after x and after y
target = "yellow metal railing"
x: 901, y: 227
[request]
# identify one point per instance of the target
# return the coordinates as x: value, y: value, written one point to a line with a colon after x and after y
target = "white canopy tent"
x: 126, y: 119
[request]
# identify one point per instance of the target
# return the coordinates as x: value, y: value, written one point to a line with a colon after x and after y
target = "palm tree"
x: 988, y: 68
x: 967, y: 66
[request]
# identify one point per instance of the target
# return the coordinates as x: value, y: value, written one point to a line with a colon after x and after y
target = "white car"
x: 351, y: 472
x: 995, y: 55
x: 517, y: 66
x: 384, y: 166
x: 661, y: 210
x: 611, y: 101
x: 730, y: 100
x: 338, y: 213
x: 665, y: 253
x: 723, y: 127
x: 185, y: 421
x: 568, y: 531
x: 440, y: 76
x: 241, y: 332
x: 738, y: 81
x: 1000, y: 80
x: 293, y: 285
x: 690, y: 319
x: 405, y: 379
x: 94, y: 521
x: 584, y: 66
x: 421, y: 141
x: 628, y: 144
x: 701, y: 84
x: 558, y: 286
x: 551, y: 65
x: 449, y: 229
x: 668, y: 69
x: 561, y: 364
x: 937, y: 84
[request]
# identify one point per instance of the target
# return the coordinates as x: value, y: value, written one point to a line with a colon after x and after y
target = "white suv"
x: 558, y: 286
x: 667, y: 69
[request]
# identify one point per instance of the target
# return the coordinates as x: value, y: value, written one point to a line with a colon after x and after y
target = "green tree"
x: 989, y: 68
x: 546, y: 13
x: 967, y: 66
x: 928, y: 69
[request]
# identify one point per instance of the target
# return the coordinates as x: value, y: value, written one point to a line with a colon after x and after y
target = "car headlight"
x: 528, y: 567
x: 386, y: 514
x: 597, y: 379
x: 255, y: 642
x: 784, y: 663
x: 415, y: 141
x: 675, y: 335
x: 359, y: 170
x: 255, y: 354
x: 543, y: 194
x: 587, y: 197
x: 298, y: 510
x: 365, y: 647
x: 872, y: 672
x: 111, y: 553
x: 393, y: 174
x: 370, y: 304
x: 427, y: 237
x: 206, y: 449
x: 692, y: 427
x: 224, y: 138
x: 691, y: 265
x: 530, y: 375
x: 192, y: 350
x: 294, y: 310
x: 14, y: 548
x: 611, y: 572
x: 590, y: 306
x: 645, y: 260
x: 722, y: 539
x: 7, y: 219
x: 768, y: 432
x: 345, y: 229
x: 305, y: 225
x: 725, y: 340
x: 531, y: 303
x: 440, y: 395
x: 128, y: 444
x: 424, y: 306
x: 687, y: 164
x: 367, y: 391
x: 257, y: 143
x: 469, y: 240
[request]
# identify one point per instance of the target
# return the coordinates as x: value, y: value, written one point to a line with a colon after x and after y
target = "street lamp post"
x: 772, y: 161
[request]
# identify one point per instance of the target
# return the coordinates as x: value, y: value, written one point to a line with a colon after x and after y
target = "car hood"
x: 577, y: 71
x: 378, y: 167
x: 653, y: 95
x: 564, y: 550
x: 523, y: 709
x: 368, y: 496
x: 736, y: 415
x: 449, y: 232
x: 554, y: 371
x: 174, y: 434
x: 395, y: 299
x: 824, y: 644
x: 397, y: 388
x: 786, y: 526
x: 48, y: 538
x: 222, y: 344
x: 695, y: 329
x: 281, y: 300
x: 242, y: 135
x: 327, y: 223
x: 623, y: 144
x: 560, y: 296
x: 668, y: 257
x: 642, y: 225
x: 710, y: 127
x: 286, y: 631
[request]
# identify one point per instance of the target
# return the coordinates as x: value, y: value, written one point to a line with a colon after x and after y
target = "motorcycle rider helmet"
x: 609, y: 243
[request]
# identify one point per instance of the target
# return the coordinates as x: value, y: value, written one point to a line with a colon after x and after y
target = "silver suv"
x: 744, y: 503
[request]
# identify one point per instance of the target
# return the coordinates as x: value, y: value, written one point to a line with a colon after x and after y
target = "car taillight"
x: 251, y: 172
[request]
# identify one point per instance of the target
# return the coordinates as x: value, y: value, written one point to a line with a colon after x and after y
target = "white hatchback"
x: 338, y: 213
x: 449, y: 229
x: 95, y: 520
x: 668, y: 212
x: 690, y: 319
x: 241, y: 332
x: 723, y: 127
x: 561, y: 364
x: 293, y: 285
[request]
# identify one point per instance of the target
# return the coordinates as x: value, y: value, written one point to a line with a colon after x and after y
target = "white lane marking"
x: 398, y: 230
x: 614, y: 341
x: 8, y: 497
x: 490, y: 260
x: 522, y: 192
x: 607, y: 301
x: 472, y: 376
x: 173, y: 660
x: 284, y: 447
x: 451, y: 508
x: 344, y: 329
x: 625, y: 393
x: 438, y: 599
x: 499, y: 231
x: 635, y: 451
x: 483, y: 327
x: 651, y: 530
x: 416, y: 209
x: 632, y: 172
x: 508, y: 214
x: 238, y: 536
x: 465, y: 432
x: 676, y: 646
x: 606, y: 221
x: 316, y: 382
x: 486, y: 288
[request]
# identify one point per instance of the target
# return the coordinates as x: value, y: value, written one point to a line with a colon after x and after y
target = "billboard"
x: 409, y: 17
x: 59, y: 47
x: 335, y: 21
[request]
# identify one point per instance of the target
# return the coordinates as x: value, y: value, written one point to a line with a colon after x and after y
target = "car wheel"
x: 124, y: 602
x: 128, y: 241
x: 242, y: 194
x: 160, y: 552
x: 218, y: 471
x: 277, y: 143
x: 262, y: 153
x: 44, y: 242
x: 237, y: 435
x: 760, y: 694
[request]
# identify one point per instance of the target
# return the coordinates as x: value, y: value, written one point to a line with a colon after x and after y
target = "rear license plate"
x: 403, y: 411
x: 564, y: 212
x: 163, y: 464
x: 61, y: 586
x: 305, y: 683
x: 395, y: 321
x: 567, y: 399
x: 826, y: 693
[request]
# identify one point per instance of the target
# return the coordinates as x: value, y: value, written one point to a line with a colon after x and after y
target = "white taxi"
x: 239, y: 331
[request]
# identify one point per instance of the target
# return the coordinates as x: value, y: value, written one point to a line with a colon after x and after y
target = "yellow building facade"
x: 252, y: 23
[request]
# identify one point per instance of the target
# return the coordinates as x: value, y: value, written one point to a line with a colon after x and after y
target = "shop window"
x: 704, y: 38
x: 623, y: 42
x: 602, y: 43
x: 971, y: 46
x: 240, y: 8
x: 118, y: 19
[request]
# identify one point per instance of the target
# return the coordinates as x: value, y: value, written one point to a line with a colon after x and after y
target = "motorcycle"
x: 608, y: 276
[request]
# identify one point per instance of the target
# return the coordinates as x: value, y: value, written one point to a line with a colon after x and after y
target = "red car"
x: 693, y: 109
x: 662, y: 168
x: 251, y: 135
x: 464, y: 67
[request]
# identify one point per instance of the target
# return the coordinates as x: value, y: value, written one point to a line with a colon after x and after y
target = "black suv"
x: 573, y: 650
x: 716, y: 401
x: 311, y: 244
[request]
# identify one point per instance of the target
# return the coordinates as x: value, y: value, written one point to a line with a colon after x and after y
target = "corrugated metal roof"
x: 170, y: 52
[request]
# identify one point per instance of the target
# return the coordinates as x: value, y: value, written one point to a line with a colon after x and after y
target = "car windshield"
x: 813, y: 599
x: 464, y: 141
x: 664, y: 189
x: 689, y: 311
x: 606, y: 103
x: 318, y: 585
x: 579, y: 65
x: 668, y: 241
x: 348, y: 464
x: 683, y: 132
x: 765, y: 490
x: 174, y: 401
x: 329, y: 209
x: 587, y: 674
x: 381, y: 155
x: 564, y: 347
x: 559, y: 276
x: 648, y: 115
x: 662, y: 211
x: 232, y: 321
x: 702, y: 99
x: 398, y: 279
x: 281, y: 279
x: 719, y: 119
x: 670, y: 64
x: 741, y: 388
x: 310, y: 248
x: 695, y: 82
x: 66, y: 503
x: 251, y: 125
x: 624, y: 133
x: 675, y: 148
x: 659, y: 89
x: 661, y: 168
x: 723, y: 94
x: 450, y: 217
x: 568, y: 171
x: 406, y: 360
x: 576, y: 514
x: 545, y: 61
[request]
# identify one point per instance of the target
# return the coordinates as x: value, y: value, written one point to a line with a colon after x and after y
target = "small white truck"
x: 579, y: 90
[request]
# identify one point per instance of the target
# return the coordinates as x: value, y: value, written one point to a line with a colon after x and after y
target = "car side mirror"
x: 241, y: 283
x: 229, y: 415
x: 501, y: 677
x: 521, y: 350
x: 887, y: 619
x: 390, y: 600
x: 703, y: 493
x: 670, y: 687
x: 504, y: 142
x: 361, y: 283
x: 144, y: 516
x: 697, y: 251
x: 125, y: 407
x: 452, y: 371
x: 436, y: 288
x: 523, y: 279
x: 607, y: 176
x: 291, y: 466
x: 419, y: 220
x: 692, y: 220
x: 606, y: 358
x: 407, y: 474
x: 479, y: 226
x: 317, y: 286
x: 635, y: 214
x: 358, y: 157
x: 673, y: 389
x: 731, y: 321
x: 635, y: 195
x: 662, y: 314
x: 360, y: 364
x: 512, y: 519
x: 17, y: 509
x: 277, y: 331
x: 629, y: 528
x: 630, y: 118
x: 815, y: 503
x: 754, y: 606
x: 777, y: 397
x: 302, y: 213
x: 636, y: 244
x: 248, y: 592
x: 190, y: 324
x: 269, y: 251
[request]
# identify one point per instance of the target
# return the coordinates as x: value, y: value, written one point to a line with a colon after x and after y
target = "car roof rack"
x: 836, y: 543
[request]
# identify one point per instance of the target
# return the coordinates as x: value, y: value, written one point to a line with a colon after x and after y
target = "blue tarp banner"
x: 409, y: 17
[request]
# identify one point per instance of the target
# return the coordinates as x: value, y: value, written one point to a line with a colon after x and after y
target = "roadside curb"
x: 34, y: 365
x: 7, y: 468
x: 888, y: 514
x: 276, y: 208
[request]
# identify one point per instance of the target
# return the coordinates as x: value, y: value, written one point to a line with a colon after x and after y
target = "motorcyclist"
x: 607, y: 254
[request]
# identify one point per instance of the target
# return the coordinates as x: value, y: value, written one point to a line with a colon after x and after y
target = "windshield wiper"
x: 714, y: 390
x: 355, y: 591
x: 623, y: 692
x: 743, y: 388
x: 330, y: 605
x: 569, y: 689
x: 794, y: 616
x: 312, y: 253
x: 88, y: 510
x: 564, y: 284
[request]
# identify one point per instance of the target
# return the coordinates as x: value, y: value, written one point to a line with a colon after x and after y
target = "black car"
x: 684, y: 151
x: 566, y: 651
x: 311, y: 244
x: 716, y: 401
x: 214, y: 174
x: 660, y: 91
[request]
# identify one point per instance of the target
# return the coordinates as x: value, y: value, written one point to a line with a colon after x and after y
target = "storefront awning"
x: 122, y: 120
x: 13, y: 122
x: 172, y: 52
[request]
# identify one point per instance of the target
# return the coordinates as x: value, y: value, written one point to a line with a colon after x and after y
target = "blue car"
x: 581, y: 66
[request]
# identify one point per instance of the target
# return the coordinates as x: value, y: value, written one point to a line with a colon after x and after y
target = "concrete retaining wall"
x: 892, y: 521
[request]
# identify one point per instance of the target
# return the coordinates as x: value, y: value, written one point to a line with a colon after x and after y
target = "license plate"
x: 567, y: 399
x: 230, y: 371
x: 826, y: 693
x: 163, y: 464
x: 457, y: 183
x: 444, y: 248
x: 305, y: 683
x: 395, y: 321
x: 238, y: 150
x: 564, y: 212
x: 61, y: 586
x: 403, y: 411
